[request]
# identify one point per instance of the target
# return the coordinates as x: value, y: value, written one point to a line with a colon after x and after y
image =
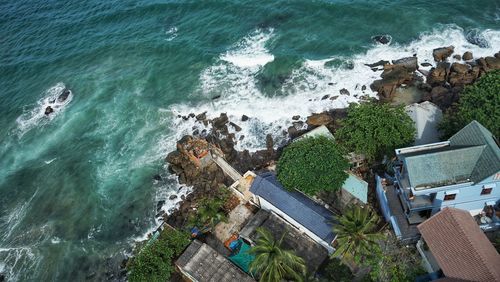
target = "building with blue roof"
x: 299, y: 210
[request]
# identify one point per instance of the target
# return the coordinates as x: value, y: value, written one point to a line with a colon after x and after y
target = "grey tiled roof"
x: 475, y: 134
x: 442, y: 168
x: 305, y: 211
x: 472, y: 155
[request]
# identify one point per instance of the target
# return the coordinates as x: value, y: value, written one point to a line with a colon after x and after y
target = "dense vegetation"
x: 375, y: 129
x: 210, y: 210
x: 481, y: 102
x: 336, y: 271
x: 273, y: 263
x: 312, y: 165
x: 154, y: 262
x: 396, y: 262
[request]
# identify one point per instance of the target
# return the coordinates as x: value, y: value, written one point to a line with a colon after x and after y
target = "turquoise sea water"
x: 77, y: 188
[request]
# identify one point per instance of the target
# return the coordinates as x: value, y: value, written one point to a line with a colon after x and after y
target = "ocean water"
x: 77, y: 188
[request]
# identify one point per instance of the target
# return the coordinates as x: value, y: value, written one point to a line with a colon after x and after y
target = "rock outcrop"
x: 441, y: 54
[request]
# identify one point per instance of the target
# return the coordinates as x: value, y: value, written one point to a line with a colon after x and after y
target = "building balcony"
x: 412, y: 202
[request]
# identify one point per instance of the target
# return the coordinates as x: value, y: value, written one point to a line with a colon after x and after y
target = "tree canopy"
x: 154, y: 260
x: 312, y: 165
x: 375, y: 129
x: 481, y: 102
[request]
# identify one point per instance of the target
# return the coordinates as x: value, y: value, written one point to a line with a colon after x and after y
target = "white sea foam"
x: 15, y: 261
x: 50, y: 161
x: 36, y: 115
x: 171, y: 33
x: 233, y: 77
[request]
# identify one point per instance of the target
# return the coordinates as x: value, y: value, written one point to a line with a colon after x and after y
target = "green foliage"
x: 481, y: 102
x: 273, y: 263
x: 312, y: 165
x: 375, y: 129
x: 336, y: 271
x: 395, y: 263
x: 210, y: 210
x: 356, y: 234
x: 154, y: 262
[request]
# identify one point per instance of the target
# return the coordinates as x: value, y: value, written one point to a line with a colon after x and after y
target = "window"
x: 486, y: 191
x: 450, y: 197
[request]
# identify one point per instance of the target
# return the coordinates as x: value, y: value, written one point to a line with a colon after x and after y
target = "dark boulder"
x: 493, y: 62
x: 382, y: 38
x: 235, y: 126
x: 437, y: 75
x: 380, y: 63
x: 441, y: 54
x: 319, y: 119
x: 392, y: 77
x: 457, y: 57
x: 220, y: 121
x: 426, y: 64
x: 201, y: 116
x: 297, y: 117
x: 174, y: 157
x: 410, y: 63
x: 325, y: 97
x: 63, y: 96
x: 48, y: 110
x: 344, y: 91
x: 244, y: 118
x: 467, y: 56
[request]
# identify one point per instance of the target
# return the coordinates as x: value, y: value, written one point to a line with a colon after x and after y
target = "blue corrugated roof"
x: 305, y: 211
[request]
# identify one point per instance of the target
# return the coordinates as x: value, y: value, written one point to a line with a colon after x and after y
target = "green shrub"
x: 375, y: 129
x: 154, y: 261
x: 312, y: 165
x: 481, y: 102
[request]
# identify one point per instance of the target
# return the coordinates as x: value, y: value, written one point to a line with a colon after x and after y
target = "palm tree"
x: 356, y: 233
x: 273, y: 263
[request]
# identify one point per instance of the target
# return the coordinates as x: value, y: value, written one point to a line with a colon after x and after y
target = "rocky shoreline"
x: 441, y: 84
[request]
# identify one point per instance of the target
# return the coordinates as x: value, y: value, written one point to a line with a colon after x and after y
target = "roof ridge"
x: 454, y: 212
x: 302, y: 204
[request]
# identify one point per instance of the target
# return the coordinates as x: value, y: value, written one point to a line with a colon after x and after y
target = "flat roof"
x: 205, y: 264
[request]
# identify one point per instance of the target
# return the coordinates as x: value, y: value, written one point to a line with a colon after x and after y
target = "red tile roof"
x: 460, y: 247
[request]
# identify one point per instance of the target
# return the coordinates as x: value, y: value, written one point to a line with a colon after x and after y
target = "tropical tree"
x: 272, y: 262
x: 375, y: 129
x: 312, y: 165
x: 357, y: 234
x: 480, y: 102
x: 209, y: 213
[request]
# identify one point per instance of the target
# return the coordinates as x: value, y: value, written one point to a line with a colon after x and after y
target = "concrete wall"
x: 265, y: 205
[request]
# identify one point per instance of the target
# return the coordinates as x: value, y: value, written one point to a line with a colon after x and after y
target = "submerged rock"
x: 475, y: 37
x: 382, y: 39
